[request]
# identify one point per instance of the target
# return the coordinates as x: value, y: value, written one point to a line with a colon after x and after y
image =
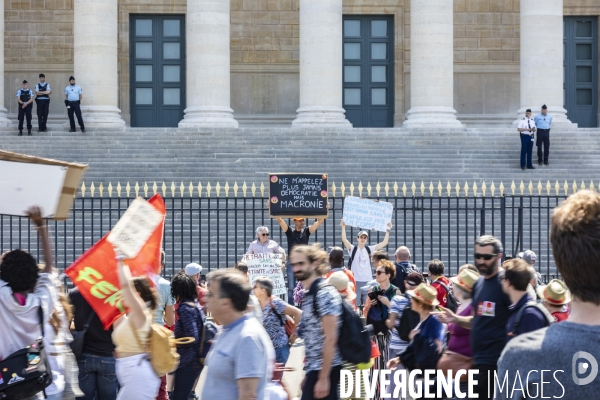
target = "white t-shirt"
x: 525, y: 123
x: 361, y: 265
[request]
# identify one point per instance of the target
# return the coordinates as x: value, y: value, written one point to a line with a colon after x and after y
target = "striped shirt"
x: 399, y: 303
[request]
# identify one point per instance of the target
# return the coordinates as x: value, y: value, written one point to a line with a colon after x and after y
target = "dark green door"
x: 157, y: 61
x: 368, y: 76
x: 581, y: 70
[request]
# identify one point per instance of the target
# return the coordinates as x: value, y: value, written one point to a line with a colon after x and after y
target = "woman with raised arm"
x: 131, y: 334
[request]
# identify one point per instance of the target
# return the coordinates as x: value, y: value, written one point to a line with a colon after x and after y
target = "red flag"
x: 95, y: 272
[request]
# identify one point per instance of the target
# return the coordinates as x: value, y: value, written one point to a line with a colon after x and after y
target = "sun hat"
x: 424, y: 294
x: 341, y: 282
x: 465, y: 279
x: 555, y: 293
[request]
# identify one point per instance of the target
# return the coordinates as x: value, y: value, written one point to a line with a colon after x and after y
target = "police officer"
x: 543, y: 121
x: 42, y: 100
x: 25, y: 99
x: 73, y: 94
x: 527, y: 129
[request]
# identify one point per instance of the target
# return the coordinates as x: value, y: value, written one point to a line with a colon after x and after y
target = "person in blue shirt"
x: 543, y: 121
x: 74, y: 94
x: 25, y: 98
x: 42, y: 100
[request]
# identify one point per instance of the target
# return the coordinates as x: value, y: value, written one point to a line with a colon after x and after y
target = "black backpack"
x: 451, y: 302
x: 354, y: 254
x: 409, y: 321
x: 547, y: 315
x: 26, y: 372
x: 354, y: 341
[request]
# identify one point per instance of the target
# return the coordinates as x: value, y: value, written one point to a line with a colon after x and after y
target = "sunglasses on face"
x: 264, y: 234
x: 486, y: 257
x: 379, y: 272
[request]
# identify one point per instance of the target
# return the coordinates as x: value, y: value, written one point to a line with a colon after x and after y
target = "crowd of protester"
x: 494, y: 316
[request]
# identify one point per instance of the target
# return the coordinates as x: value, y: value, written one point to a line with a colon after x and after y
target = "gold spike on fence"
x: 379, y: 189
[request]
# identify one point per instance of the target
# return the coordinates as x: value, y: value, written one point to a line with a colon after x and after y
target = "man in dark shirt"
x: 514, y: 283
x: 490, y: 306
x: 97, y: 377
x: 296, y: 236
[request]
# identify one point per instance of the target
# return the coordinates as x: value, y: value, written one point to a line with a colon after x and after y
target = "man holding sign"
x: 360, y: 256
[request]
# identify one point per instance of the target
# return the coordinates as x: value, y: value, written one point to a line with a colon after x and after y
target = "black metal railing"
x: 216, y: 231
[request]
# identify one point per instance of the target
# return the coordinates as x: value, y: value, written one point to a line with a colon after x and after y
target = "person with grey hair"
x: 275, y: 312
x: 403, y: 267
x: 263, y: 244
x: 240, y: 362
x: 490, y: 313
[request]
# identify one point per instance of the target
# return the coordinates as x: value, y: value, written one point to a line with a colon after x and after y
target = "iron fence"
x: 216, y: 231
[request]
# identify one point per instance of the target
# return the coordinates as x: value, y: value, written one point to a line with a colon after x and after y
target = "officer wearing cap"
x: 526, y: 129
x: 543, y: 121
x: 42, y: 100
x: 25, y: 99
x: 74, y: 94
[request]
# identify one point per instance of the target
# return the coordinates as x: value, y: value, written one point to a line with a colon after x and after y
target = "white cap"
x: 193, y: 269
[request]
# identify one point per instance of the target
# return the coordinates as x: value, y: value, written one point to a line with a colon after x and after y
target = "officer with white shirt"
x: 527, y: 129
x: 25, y: 99
x: 42, y: 100
x: 74, y: 94
x: 543, y: 121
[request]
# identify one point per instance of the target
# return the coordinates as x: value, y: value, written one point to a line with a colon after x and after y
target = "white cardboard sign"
x: 135, y: 227
x: 27, y: 184
x: 269, y: 265
x: 367, y: 214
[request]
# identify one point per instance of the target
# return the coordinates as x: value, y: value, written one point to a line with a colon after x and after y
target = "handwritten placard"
x: 298, y: 195
x: 135, y: 227
x: 367, y: 214
x: 269, y: 265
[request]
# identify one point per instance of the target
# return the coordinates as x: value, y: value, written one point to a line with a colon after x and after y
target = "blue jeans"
x: 526, y: 150
x: 97, y: 377
x: 185, y: 377
x: 282, y: 354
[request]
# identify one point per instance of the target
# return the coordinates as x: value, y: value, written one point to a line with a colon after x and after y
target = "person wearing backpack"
x: 189, y: 324
x: 320, y: 324
x: 27, y: 298
x: 400, y: 318
x: 131, y: 335
x: 525, y: 314
x: 404, y: 267
x: 360, y: 257
x: 440, y: 283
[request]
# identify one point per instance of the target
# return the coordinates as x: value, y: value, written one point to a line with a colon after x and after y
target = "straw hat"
x: 341, y: 282
x: 465, y: 279
x: 424, y: 294
x: 555, y: 293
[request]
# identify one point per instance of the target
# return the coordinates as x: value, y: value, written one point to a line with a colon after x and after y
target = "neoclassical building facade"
x: 307, y: 63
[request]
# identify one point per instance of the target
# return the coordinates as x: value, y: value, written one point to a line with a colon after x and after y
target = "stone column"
x: 321, y: 65
x: 96, y: 57
x: 431, y: 65
x: 542, y: 67
x: 4, y: 121
x: 208, y: 65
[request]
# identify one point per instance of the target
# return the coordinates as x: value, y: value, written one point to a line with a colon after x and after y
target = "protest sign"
x: 27, y: 181
x: 269, y: 265
x: 95, y: 272
x: 135, y: 227
x: 298, y: 195
x: 367, y: 214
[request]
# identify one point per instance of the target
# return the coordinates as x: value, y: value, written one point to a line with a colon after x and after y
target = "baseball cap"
x: 529, y: 256
x: 361, y: 233
x: 414, y: 279
x: 193, y: 269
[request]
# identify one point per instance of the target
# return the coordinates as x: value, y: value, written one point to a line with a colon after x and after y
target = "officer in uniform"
x: 42, y: 100
x: 73, y: 94
x: 25, y: 99
x: 543, y: 121
x: 527, y: 129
